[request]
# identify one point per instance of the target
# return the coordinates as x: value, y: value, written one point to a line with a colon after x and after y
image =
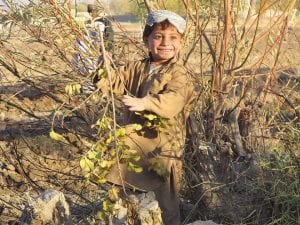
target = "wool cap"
x: 158, y: 16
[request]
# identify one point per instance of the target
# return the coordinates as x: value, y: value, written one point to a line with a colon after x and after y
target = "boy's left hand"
x: 134, y: 104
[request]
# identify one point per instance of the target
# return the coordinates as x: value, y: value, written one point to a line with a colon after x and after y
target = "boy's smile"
x: 163, y: 44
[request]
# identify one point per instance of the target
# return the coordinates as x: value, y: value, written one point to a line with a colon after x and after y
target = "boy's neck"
x: 156, y: 63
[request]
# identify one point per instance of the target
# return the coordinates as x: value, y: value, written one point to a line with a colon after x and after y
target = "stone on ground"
x: 50, y: 208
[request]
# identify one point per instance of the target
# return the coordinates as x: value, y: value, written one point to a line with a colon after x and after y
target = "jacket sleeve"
x: 119, y: 78
x: 172, y: 99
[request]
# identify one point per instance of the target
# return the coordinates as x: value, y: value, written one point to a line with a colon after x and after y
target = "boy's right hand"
x: 133, y: 103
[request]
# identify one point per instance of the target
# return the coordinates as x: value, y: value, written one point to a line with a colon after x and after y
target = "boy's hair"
x: 148, y: 29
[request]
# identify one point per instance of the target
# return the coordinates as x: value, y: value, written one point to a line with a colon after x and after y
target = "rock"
x: 50, y: 208
x: 148, y: 210
x: 140, y: 209
x: 120, y: 213
x: 199, y: 222
x: 150, y: 214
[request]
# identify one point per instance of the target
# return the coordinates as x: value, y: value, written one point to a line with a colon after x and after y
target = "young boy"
x: 159, y: 85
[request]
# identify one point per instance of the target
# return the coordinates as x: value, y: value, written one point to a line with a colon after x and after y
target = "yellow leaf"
x: 86, y: 164
x: 150, y: 116
x: 77, y: 88
x: 113, y: 194
x: 103, y: 163
x: 107, y: 206
x: 121, y: 132
x: 131, y: 151
x: 109, y: 139
x: 105, y: 172
x: 136, y: 158
x: 134, y: 168
x: 57, y: 136
x: 159, y: 169
x: 69, y: 89
x: 101, y: 181
x: 137, y: 126
x: 113, y: 152
x: 101, y: 215
x: 101, y: 73
x: 148, y: 124
x: 68, y: 113
x: 99, y: 147
x: 138, y: 169
x: 95, y: 98
x: 92, y: 154
x: 106, y: 163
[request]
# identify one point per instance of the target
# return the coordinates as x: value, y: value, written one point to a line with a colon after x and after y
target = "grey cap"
x: 158, y: 16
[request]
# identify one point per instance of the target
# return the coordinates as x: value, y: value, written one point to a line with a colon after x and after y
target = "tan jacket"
x: 168, y: 92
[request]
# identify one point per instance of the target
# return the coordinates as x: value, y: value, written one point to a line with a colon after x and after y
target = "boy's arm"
x: 178, y: 92
x: 119, y: 79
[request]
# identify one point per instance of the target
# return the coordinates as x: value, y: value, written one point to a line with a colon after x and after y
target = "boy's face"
x: 163, y: 44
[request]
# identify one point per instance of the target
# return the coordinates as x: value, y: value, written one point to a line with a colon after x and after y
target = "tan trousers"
x: 167, y: 196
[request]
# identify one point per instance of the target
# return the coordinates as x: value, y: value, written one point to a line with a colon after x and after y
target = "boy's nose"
x: 164, y: 41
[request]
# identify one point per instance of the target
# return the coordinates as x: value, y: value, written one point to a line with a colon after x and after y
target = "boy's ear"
x: 182, y: 40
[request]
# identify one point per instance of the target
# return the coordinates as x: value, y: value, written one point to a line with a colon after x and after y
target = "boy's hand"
x: 134, y: 104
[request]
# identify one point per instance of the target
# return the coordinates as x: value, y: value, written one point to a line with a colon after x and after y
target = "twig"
x: 107, y: 67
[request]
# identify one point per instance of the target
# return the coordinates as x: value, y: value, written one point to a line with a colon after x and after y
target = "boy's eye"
x: 157, y: 36
x: 174, y: 37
